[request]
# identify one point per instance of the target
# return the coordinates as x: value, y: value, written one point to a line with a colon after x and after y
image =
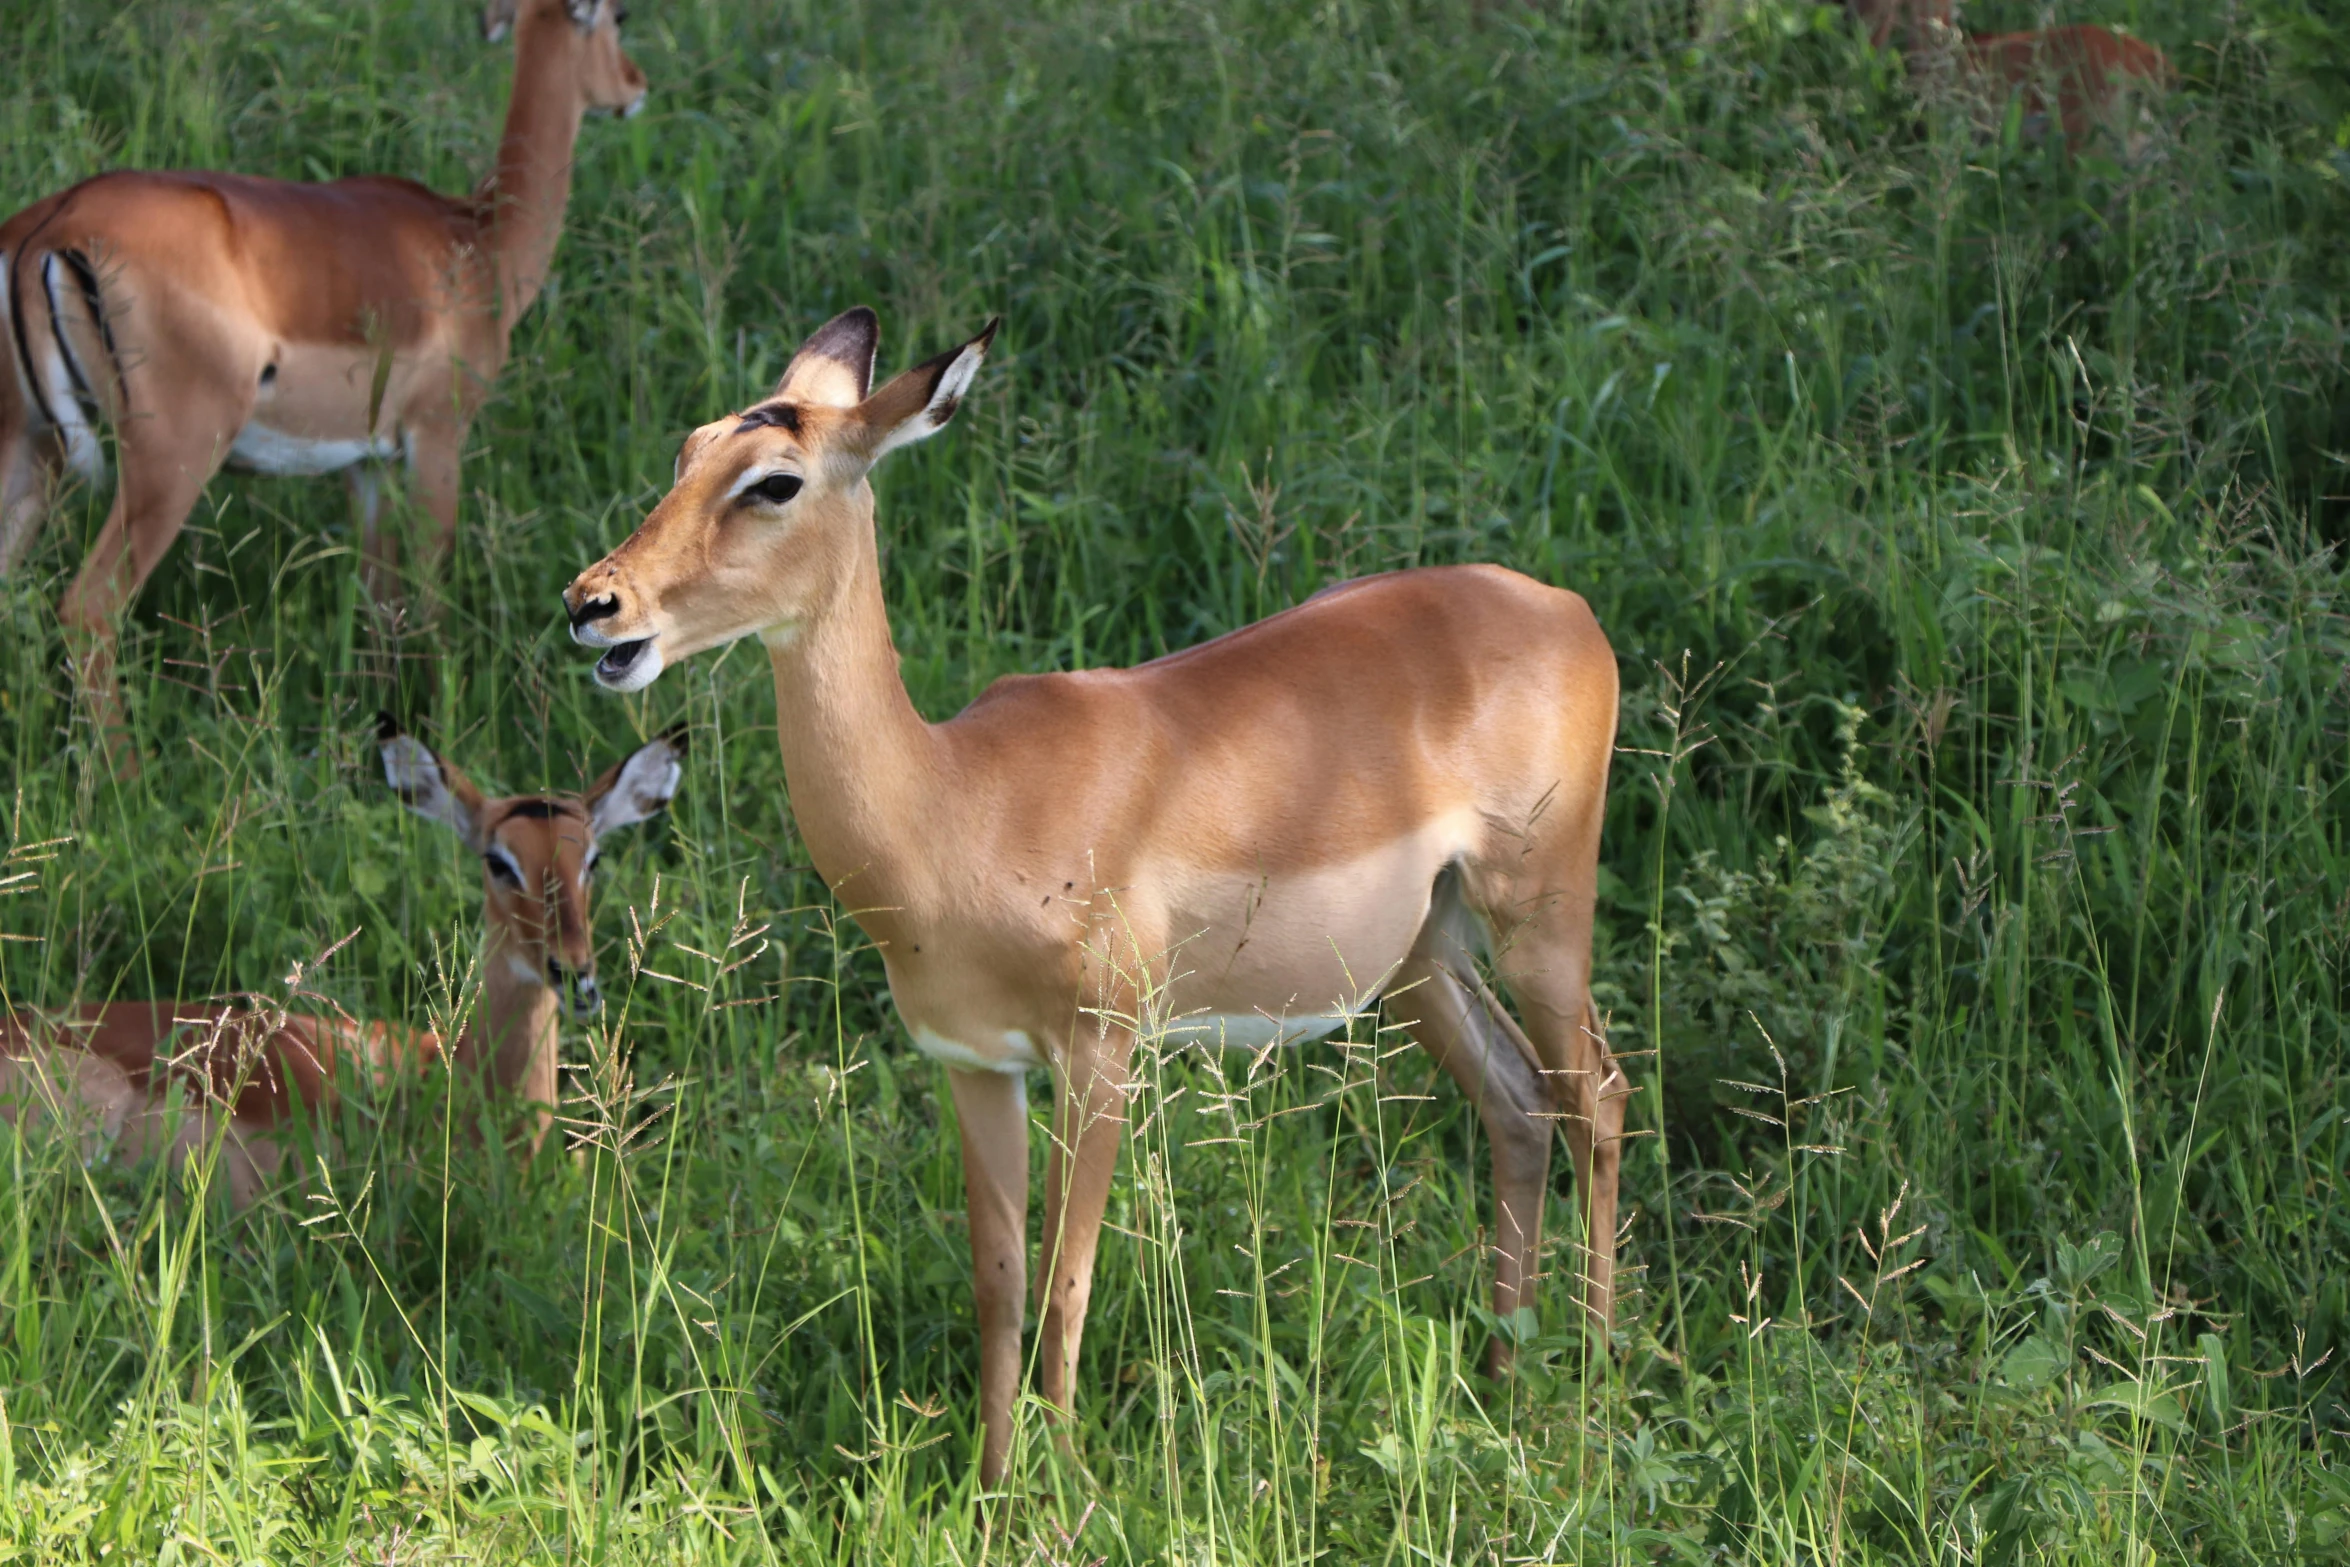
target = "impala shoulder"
x: 1051, y: 699
x: 393, y: 194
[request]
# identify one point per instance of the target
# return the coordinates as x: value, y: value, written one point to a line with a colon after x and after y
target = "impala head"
x: 767, y: 509
x: 608, y: 78
x: 537, y: 852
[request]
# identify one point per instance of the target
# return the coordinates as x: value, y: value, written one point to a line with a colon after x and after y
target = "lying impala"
x: 106, y: 1071
x: 1246, y: 842
x: 286, y: 328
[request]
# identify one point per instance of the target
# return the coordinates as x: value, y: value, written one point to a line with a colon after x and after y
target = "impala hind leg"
x: 1546, y: 965
x: 991, y: 1108
x: 151, y: 504
x: 26, y: 477
x: 1089, y: 1127
x: 1446, y: 1019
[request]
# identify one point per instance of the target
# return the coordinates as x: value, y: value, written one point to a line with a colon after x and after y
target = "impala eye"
x: 775, y: 489
x: 502, y: 868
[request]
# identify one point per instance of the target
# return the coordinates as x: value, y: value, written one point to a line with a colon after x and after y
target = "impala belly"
x: 1284, y: 957
x: 264, y: 450
x: 320, y: 410
x: 1256, y: 1030
x: 982, y: 1050
x: 90, y: 1098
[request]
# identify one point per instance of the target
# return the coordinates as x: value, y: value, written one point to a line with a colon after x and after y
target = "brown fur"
x: 1288, y: 821
x: 108, y: 1072
x: 366, y: 310
x: 2093, y: 74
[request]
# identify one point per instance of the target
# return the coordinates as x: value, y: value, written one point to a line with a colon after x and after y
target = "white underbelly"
x: 1009, y: 1050
x: 264, y: 450
x: 1256, y: 1030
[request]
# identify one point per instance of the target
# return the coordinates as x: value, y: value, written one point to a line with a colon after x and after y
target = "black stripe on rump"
x: 83, y: 392
x: 24, y: 351
x: 87, y: 276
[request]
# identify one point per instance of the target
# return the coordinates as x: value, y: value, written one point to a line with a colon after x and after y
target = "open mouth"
x: 626, y: 666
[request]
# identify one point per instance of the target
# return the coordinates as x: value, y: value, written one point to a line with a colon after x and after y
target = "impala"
x: 107, y: 1071
x: 2094, y: 75
x: 281, y: 327
x: 1248, y: 842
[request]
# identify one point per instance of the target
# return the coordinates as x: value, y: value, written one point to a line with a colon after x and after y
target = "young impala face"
x: 608, y: 78
x: 767, y: 508
x: 537, y: 853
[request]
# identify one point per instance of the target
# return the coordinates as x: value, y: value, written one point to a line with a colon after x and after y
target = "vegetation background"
x: 1965, y: 517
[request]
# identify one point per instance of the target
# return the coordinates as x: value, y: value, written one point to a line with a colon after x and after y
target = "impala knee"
x: 80, y: 616
x: 997, y: 1287
x: 1068, y: 1292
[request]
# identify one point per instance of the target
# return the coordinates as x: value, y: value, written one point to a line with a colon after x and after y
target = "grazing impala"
x: 1246, y: 842
x: 106, y: 1070
x: 287, y: 328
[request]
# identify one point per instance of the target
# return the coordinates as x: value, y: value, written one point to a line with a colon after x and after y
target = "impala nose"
x: 602, y: 607
x: 582, y: 996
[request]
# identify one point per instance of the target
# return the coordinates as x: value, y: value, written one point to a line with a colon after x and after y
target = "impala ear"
x: 640, y: 786
x: 834, y: 367
x: 497, y: 20
x: 429, y: 786
x: 917, y: 404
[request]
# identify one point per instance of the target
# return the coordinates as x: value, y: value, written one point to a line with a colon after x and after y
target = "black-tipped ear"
x: 834, y: 367
x: 427, y: 785
x: 641, y: 785
x: 917, y: 404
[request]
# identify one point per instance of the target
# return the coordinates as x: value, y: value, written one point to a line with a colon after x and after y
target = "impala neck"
x: 511, y: 1040
x: 865, y: 772
x: 526, y: 194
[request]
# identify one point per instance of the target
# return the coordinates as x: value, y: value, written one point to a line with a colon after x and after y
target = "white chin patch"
x: 520, y: 968
x: 629, y: 666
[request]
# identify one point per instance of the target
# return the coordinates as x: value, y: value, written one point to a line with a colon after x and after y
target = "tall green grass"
x: 1963, y: 515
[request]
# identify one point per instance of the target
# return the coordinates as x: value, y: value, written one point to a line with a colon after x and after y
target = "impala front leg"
x: 434, y: 452
x: 1089, y: 1125
x: 992, y: 1110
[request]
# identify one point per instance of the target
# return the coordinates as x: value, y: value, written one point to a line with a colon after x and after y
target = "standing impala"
x: 2097, y: 78
x: 286, y: 328
x: 106, y: 1070
x: 1246, y: 842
